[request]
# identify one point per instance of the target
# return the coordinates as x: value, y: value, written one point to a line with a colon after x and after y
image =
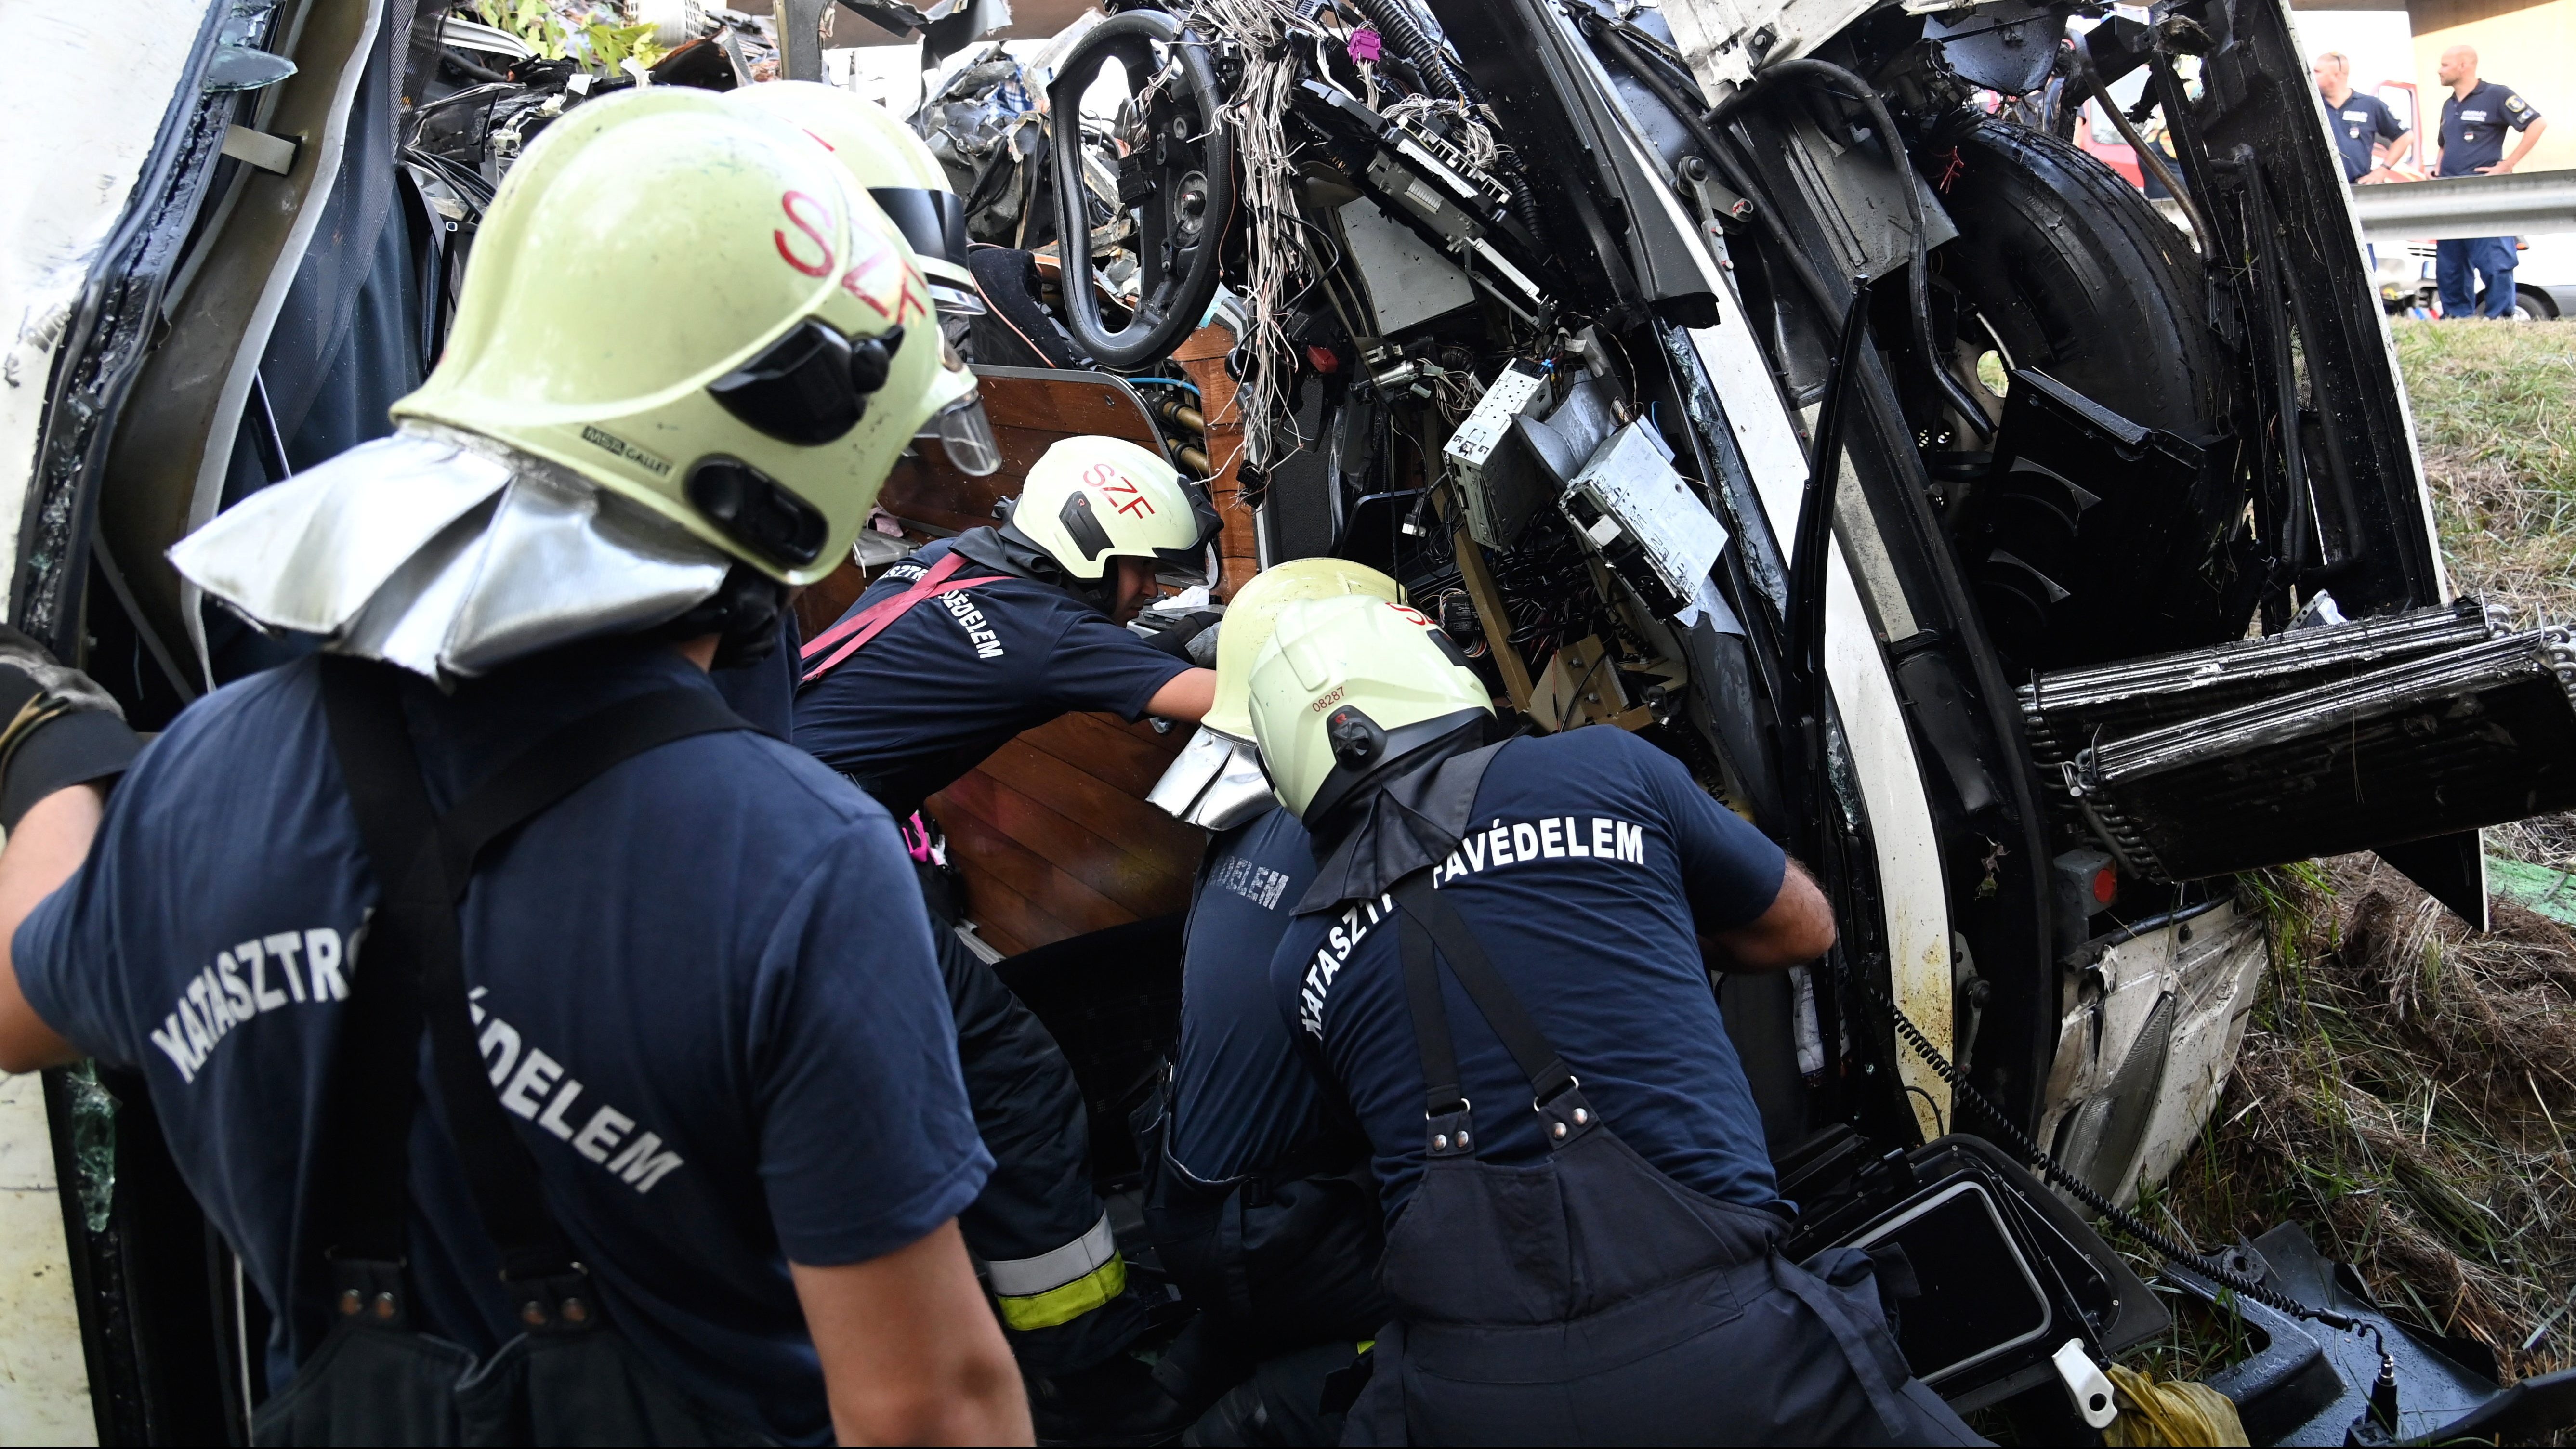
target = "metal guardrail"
x: 2460, y: 206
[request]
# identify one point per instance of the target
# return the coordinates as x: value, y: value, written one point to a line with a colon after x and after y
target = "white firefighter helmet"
x: 1253, y: 613
x: 1347, y: 685
x: 892, y: 165
x: 1089, y: 500
x: 758, y: 394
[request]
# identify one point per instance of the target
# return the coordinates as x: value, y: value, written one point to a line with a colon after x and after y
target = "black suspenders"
x: 413, y: 973
x: 1431, y: 920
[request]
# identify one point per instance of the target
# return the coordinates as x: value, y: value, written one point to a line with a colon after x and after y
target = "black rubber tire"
x: 2079, y: 277
x: 2082, y: 279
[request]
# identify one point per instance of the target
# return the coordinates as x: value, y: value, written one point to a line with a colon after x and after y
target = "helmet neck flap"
x: 1404, y: 815
x: 453, y: 554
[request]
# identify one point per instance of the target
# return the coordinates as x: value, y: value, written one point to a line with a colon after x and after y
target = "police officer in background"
x: 1502, y: 967
x: 952, y: 652
x: 2360, y: 122
x: 1258, y: 1197
x: 2475, y: 117
x: 698, y: 1140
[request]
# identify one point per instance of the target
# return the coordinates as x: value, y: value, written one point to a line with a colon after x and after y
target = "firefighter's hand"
x: 57, y: 728
x: 1190, y: 636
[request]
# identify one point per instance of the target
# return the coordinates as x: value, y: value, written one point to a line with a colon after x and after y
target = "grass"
x: 2495, y: 417
x: 2407, y: 1088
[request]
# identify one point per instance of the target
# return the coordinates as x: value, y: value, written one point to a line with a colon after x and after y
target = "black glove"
x: 57, y: 728
x: 1178, y: 638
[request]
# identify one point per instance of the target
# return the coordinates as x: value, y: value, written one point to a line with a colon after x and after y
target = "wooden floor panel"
x: 1083, y: 877
x: 1054, y: 839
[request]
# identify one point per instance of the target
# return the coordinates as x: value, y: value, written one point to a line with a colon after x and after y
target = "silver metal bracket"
x: 260, y: 149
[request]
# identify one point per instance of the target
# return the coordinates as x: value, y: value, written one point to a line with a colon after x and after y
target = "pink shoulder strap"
x: 853, y: 633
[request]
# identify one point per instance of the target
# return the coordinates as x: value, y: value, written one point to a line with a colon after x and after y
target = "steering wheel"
x: 1178, y: 178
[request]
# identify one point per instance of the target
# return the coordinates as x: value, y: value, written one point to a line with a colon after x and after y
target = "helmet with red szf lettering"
x: 692, y: 305
x: 894, y: 165
x: 1089, y: 500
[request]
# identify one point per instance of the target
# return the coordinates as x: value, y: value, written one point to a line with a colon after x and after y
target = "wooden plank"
x: 1130, y: 757
x: 1154, y: 840
x: 1479, y: 579
x: 1070, y: 848
x: 1029, y: 416
x: 1202, y: 359
x: 1004, y: 916
x: 1066, y: 403
x: 980, y: 841
x: 984, y: 846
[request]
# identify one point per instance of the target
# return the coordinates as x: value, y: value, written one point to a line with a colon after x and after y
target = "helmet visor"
x: 1195, y: 562
x: 966, y: 435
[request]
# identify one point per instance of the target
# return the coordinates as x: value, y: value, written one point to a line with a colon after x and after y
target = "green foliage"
x: 610, y: 45
x: 530, y: 20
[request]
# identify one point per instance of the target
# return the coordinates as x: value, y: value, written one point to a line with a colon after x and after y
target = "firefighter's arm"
x: 1186, y: 698
x: 49, y: 844
x: 911, y: 1352
x: 1798, y: 928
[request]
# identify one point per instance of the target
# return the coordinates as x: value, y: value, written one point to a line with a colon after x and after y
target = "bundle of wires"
x: 1267, y: 193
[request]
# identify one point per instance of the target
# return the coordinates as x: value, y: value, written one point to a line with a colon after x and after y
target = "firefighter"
x: 696, y: 1139
x: 956, y: 649
x: 1501, y: 967
x: 1258, y: 1196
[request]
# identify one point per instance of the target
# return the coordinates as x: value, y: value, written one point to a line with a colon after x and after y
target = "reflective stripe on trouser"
x: 1039, y: 1200
x: 1061, y: 1285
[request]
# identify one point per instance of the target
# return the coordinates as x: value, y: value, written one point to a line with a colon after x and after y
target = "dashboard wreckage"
x: 1771, y: 378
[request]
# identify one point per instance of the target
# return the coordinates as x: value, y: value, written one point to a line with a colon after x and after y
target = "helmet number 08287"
x: 1112, y: 482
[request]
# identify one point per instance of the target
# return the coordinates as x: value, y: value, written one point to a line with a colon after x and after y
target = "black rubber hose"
x: 1395, y: 20
x: 1918, y: 282
x: 1809, y: 546
x: 1723, y: 157
x: 456, y: 61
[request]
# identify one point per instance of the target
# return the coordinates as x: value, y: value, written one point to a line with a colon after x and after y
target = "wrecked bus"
x: 1774, y: 380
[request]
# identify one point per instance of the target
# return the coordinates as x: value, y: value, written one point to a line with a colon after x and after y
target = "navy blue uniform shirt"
x: 1594, y: 862
x: 764, y: 691
x: 704, y: 983
x: 2359, y: 123
x: 945, y: 685
x: 1244, y: 1100
x: 2473, y: 126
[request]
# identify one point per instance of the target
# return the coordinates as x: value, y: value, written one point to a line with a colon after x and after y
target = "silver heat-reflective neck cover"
x: 1214, y: 783
x: 448, y: 554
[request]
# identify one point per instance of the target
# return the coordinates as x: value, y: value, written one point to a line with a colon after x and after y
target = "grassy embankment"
x: 2408, y: 1088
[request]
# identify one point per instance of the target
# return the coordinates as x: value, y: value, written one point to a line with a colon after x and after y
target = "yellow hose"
x: 2171, y: 1412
